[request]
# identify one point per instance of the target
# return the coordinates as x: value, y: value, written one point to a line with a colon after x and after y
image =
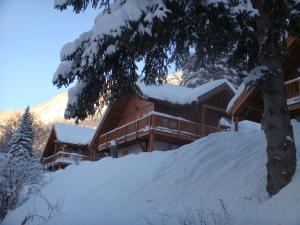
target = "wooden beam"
x: 214, y: 108
x: 251, y: 107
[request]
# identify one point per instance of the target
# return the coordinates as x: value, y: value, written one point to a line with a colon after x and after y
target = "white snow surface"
x: 180, y: 94
x: 73, y: 134
x: 162, y: 186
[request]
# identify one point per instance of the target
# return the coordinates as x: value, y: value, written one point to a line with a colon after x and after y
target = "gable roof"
x: 174, y: 94
x: 180, y: 94
x: 73, y: 134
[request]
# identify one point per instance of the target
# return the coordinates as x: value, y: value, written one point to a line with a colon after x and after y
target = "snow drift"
x: 161, y: 187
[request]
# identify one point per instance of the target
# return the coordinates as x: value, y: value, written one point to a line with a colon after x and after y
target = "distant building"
x: 66, y: 144
x: 247, y: 104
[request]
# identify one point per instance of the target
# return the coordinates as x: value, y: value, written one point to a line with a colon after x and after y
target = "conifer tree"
x: 21, y: 168
x: 245, y: 35
x: 21, y: 142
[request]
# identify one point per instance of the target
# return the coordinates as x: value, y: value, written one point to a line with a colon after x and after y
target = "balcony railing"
x: 292, y: 90
x: 64, y: 157
x: 159, y: 122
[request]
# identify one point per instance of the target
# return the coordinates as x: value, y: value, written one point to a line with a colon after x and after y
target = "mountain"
x: 45, y: 115
x: 48, y: 112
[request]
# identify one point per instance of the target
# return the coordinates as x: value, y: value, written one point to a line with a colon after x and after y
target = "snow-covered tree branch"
x: 242, y: 34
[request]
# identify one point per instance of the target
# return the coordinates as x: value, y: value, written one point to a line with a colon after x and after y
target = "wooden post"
x: 153, y: 121
x: 236, y: 124
x: 106, y: 140
x: 202, y: 120
x: 136, y: 129
x: 94, y: 149
x: 151, y: 141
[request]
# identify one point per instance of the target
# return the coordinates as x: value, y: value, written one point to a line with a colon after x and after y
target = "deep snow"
x: 68, y: 133
x: 173, y: 93
x: 161, y: 187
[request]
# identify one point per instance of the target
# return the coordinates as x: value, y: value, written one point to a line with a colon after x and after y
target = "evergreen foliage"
x: 241, y: 35
x: 21, y: 168
x: 104, y: 59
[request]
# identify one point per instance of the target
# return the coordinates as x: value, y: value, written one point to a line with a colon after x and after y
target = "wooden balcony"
x: 63, y: 158
x: 174, y: 127
x: 293, y: 91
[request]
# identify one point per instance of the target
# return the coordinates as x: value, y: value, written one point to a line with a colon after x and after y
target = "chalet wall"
x: 136, y: 148
x: 164, y: 146
x: 189, y: 112
x: 73, y: 149
x: 132, y: 149
x: 220, y: 100
x: 135, y: 109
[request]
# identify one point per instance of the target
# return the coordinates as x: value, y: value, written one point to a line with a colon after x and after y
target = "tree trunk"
x: 281, y: 149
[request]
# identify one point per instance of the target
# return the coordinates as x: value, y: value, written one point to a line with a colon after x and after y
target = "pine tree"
x: 193, y: 75
x: 21, y: 168
x: 21, y: 143
x: 245, y: 35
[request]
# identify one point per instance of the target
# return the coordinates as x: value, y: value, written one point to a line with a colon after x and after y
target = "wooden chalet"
x: 161, y: 118
x: 247, y: 104
x: 66, y: 144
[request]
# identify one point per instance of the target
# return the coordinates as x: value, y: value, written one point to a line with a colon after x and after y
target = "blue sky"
x: 32, y: 33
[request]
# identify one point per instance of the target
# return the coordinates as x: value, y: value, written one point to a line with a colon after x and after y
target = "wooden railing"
x: 66, y: 157
x: 158, y: 122
x: 293, y: 88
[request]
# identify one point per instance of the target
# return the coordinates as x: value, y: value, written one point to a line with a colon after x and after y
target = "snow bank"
x: 173, y: 93
x: 161, y: 187
x: 73, y: 134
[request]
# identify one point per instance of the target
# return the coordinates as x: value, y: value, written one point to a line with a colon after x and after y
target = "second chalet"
x: 248, y: 104
x: 161, y: 118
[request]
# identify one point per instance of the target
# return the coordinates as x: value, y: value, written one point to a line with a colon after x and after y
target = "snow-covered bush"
x: 21, y: 169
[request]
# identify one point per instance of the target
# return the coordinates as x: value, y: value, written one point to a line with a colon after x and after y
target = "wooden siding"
x: 134, y: 109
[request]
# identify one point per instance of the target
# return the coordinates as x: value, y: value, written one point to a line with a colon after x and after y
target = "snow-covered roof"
x: 180, y: 94
x: 73, y: 134
x: 237, y: 95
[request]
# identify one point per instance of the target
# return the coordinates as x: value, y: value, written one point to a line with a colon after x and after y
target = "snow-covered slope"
x: 162, y: 187
x: 48, y: 112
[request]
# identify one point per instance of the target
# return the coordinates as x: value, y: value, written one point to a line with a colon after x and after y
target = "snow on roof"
x: 237, y: 95
x: 73, y: 134
x: 180, y: 94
